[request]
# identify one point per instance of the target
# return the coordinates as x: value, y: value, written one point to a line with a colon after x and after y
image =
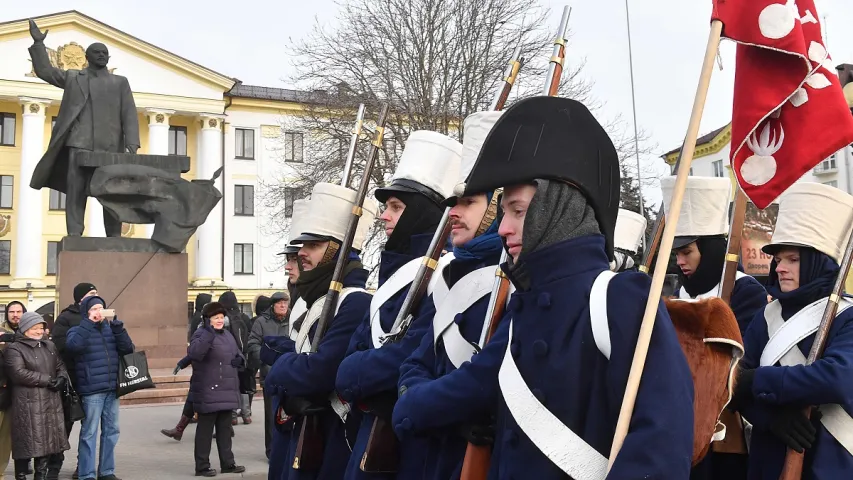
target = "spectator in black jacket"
x: 201, y: 300
x: 69, y: 317
x: 262, y: 304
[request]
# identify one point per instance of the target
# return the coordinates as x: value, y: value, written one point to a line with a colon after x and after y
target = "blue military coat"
x: 827, y: 381
x: 437, y: 397
x: 368, y: 371
x: 554, y: 351
x: 271, y: 349
x: 313, y: 376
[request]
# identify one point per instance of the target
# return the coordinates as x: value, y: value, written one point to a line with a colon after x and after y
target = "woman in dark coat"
x: 37, y: 375
x: 214, y: 388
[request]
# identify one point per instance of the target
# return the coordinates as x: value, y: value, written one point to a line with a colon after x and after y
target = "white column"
x: 27, y: 249
x: 158, y: 141
x: 209, y: 235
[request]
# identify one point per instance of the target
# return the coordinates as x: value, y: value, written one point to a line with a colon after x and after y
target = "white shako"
x: 818, y: 216
x: 450, y: 302
x: 298, y: 214
x: 430, y: 166
x: 704, y: 212
x: 326, y: 218
x: 627, y: 238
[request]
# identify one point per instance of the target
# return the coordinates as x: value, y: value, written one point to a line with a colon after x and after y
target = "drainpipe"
x: 224, y: 171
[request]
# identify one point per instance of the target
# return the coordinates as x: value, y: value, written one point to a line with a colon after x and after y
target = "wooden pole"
x: 650, y: 314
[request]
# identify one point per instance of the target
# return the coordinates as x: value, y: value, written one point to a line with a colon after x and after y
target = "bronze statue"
x: 97, y: 114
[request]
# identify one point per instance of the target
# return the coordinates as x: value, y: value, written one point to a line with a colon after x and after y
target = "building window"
x: 832, y: 183
x: 244, y: 200
x: 7, y: 189
x: 53, y: 249
x: 245, y: 143
x: 7, y: 129
x: 57, y: 200
x: 246, y: 309
x: 178, y: 141
x: 718, y: 168
x: 5, y: 257
x: 243, y: 256
x: 289, y: 198
x: 293, y: 147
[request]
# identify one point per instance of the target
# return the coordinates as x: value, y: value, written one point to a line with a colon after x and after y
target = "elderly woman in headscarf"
x: 37, y: 375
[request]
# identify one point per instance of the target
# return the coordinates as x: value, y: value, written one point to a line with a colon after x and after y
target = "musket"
x: 475, y: 466
x: 309, y: 447
x: 381, y: 453
x: 793, y: 467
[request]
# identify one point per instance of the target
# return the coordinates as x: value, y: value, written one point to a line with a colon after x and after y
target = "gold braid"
x: 331, y: 250
x: 490, y: 214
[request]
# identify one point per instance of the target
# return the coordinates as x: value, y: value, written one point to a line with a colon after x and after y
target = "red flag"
x: 789, y: 112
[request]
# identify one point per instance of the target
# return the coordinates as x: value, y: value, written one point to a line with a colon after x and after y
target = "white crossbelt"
x: 465, y: 293
x: 782, y: 348
x: 401, y: 279
x: 713, y: 293
x: 297, y: 310
x: 568, y: 451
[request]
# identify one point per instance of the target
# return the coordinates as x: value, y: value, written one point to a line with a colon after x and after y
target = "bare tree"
x: 434, y: 61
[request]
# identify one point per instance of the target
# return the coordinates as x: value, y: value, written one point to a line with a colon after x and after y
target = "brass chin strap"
x: 490, y: 215
x: 331, y: 250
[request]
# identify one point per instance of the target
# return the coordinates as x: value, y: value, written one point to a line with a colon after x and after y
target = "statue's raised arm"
x: 41, y: 61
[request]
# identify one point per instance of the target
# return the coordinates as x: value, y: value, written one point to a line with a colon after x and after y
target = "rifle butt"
x: 476, y: 463
x: 309, y: 447
x: 382, y: 454
x: 735, y: 441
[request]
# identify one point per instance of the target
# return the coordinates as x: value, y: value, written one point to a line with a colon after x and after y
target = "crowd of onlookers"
x: 49, y: 380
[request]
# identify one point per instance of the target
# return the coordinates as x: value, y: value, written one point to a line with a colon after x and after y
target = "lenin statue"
x: 97, y: 114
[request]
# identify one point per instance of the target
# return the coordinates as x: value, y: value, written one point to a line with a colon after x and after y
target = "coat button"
x: 515, y: 348
x: 361, y: 346
x: 540, y: 395
x: 544, y: 300
x: 402, y: 390
x: 348, y: 393
x: 511, y: 438
x: 406, y: 424
x: 458, y: 318
x: 540, y: 348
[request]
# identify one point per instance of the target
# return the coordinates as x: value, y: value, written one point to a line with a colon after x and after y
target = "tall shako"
x: 627, y: 238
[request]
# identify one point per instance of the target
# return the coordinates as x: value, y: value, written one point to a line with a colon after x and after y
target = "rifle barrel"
x: 555, y: 67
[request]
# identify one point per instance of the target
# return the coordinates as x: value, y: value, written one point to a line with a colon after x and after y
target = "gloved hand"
x: 481, y: 435
x: 56, y: 384
x: 176, y: 370
x: 238, y: 362
x: 7, y: 338
x: 743, y: 389
x: 381, y: 405
x: 790, y: 425
x: 300, y: 406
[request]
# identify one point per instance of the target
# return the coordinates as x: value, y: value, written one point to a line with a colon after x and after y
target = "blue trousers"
x: 101, y: 410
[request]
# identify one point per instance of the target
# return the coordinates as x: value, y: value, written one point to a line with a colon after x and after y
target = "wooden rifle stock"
x: 654, y: 242
x: 309, y: 447
x: 382, y: 454
x: 475, y: 466
x: 793, y: 467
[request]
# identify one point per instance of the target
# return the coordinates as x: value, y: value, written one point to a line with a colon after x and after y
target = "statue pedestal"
x: 146, y: 287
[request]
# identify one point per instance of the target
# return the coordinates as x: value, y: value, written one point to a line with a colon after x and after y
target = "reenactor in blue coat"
x: 443, y: 400
x: 560, y: 394
x: 774, y: 386
x: 304, y: 378
x: 273, y: 347
x: 700, y: 247
x: 367, y: 378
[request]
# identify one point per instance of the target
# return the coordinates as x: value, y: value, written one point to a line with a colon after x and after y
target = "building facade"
x: 184, y: 109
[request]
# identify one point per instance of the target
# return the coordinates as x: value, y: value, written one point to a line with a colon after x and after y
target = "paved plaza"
x: 143, y: 453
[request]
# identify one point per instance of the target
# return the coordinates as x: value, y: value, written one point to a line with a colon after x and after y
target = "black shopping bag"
x: 133, y: 374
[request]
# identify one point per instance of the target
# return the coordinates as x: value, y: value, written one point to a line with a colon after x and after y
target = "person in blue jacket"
x: 563, y: 374
x: 700, y: 247
x: 443, y: 402
x: 367, y: 378
x: 774, y: 385
x: 303, y: 376
x: 97, y: 344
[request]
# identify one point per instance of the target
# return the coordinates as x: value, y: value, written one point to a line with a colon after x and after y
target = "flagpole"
x: 653, y: 301
x: 634, y: 107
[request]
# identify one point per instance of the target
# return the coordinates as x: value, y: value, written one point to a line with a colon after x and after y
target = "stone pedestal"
x: 146, y: 287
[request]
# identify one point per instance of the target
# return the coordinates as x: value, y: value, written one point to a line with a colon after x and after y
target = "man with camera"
x: 97, y: 345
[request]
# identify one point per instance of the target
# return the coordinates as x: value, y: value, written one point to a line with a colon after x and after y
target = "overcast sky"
x: 247, y: 40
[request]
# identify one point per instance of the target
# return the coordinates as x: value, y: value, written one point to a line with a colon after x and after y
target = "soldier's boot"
x: 178, y: 432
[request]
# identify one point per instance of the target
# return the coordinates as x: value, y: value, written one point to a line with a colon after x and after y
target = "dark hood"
x: 201, y: 300
x: 262, y: 304
x: 818, y: 272
x: 420, y: 216
x: 229, y: 300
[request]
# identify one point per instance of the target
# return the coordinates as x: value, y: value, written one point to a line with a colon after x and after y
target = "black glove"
x: 176, y: 370
x: 381, y: 405
x: 791, y: 425
x: 7, y: 338
x: 56, y: 384
x: 300, y: 406
x: 481, y: 435
x: 743, y: 389
x: 238, y: 362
